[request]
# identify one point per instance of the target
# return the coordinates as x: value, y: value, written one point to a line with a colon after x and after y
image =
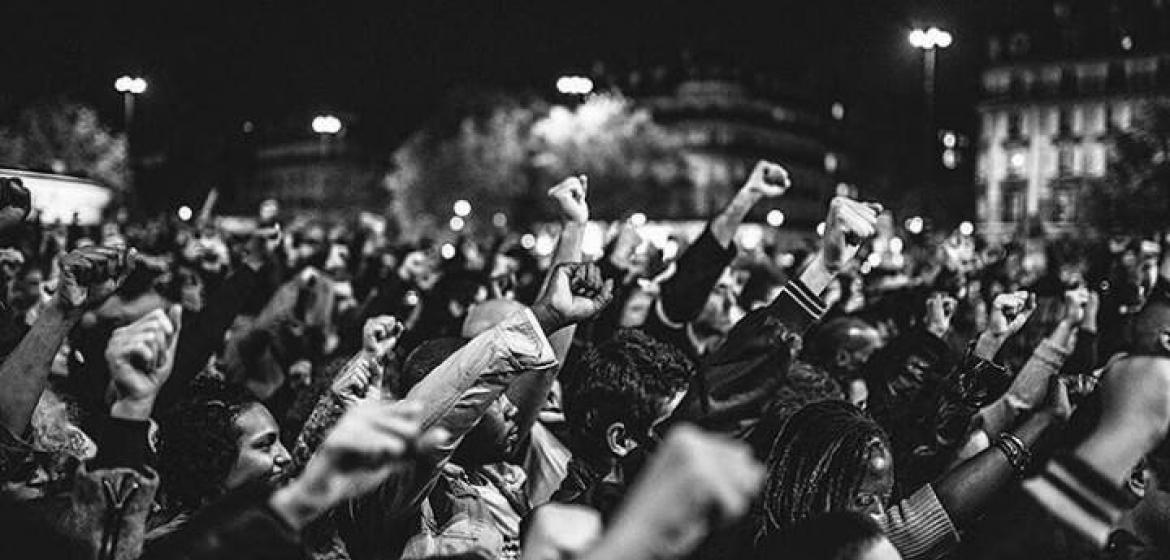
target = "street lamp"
x: 575, y: 85
x: 929, y: 41
x: 326, y: 124
x: 129, y: 87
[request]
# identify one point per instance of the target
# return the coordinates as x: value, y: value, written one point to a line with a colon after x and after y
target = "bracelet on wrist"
x: 1018, y: 455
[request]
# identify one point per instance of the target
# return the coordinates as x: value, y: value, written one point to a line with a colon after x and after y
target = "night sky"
x: 212, y: 66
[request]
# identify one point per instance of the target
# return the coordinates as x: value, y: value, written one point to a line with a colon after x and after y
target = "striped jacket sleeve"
x: 919, y: 527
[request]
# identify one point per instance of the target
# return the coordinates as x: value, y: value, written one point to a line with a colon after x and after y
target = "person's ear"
x: 618, y: 440
x: 1137, y: 481
x: 456, y: 309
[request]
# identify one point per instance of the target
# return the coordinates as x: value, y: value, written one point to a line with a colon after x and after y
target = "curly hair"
x: 198, y: 444
x: 624, y: 379
x: 817, y: 463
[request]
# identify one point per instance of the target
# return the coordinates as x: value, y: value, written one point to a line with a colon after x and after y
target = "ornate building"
x: 1062, y: 77
x: 728, y: 121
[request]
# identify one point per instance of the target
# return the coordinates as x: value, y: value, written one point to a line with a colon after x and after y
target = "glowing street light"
x: 575, y: 85
x: 462, y: 208
x: 326, y: 124
x: 456, y: 223
x: 966, y: 228
x: 775, y: 218
x: 130, y: 84
x: 915, y: 224
x: 929, y: 41
x: 130, y: 87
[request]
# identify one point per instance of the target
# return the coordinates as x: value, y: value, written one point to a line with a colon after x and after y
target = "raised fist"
x: 141, y: 356
x: 695, y: 482
x: 15, y: 202
x: 91, y: 274
x: 576, y: 292
x: 369, y: 443
x: 767, y: 180
x: 1075, y: 304
x: 848, y: 224
x: 1009, y: 312
x: 570, y: 197
x: 380, y: 335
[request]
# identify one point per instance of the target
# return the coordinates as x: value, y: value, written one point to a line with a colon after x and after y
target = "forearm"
x: 698, y: 271
x: 724, y: 226
x: 817, y: 276
x: 966, y: 489
x: 26, y: 371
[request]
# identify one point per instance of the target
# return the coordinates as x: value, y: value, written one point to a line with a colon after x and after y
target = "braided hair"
x: 817, y: 464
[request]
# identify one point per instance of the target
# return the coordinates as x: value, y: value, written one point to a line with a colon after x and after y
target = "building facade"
x: 1063, y: 77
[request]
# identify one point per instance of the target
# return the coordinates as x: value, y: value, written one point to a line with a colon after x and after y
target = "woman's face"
x: 261, y: 455
x: 877, y: 485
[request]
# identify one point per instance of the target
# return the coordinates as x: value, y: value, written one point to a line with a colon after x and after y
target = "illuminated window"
x: 1016, y: 163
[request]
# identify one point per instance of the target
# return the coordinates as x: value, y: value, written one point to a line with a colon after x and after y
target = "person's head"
x: 720, y: 312
x: 842, y: 346
x: 1150, y: 330
x: 496, y: 436
x: 219, y: 440
x: 637, y: 306
x: 842, y: 535
x: 618, y: 392
x: 829, y: 456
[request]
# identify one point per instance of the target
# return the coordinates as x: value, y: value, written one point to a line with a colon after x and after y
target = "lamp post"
x: 130, y: 87
x: 326, y: 126
x: 929, y: 41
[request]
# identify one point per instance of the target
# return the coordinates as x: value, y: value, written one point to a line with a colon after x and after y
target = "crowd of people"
x: 321, y: 390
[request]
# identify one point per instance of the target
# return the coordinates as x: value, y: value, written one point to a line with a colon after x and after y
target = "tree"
x: 502, y: 152
x: 62, y: 136
x: 1134, y: 198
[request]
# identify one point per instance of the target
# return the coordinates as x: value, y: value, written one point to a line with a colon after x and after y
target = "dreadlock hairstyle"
x: 198, y: 444
x: 817, y: 463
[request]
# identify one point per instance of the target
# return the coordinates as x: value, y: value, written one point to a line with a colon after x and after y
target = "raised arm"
x: 88, y: 276
x: 701, y: 265
x: 530, y: 392
x: 736, y: 382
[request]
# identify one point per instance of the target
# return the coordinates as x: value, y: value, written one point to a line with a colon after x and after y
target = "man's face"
x: 261, y: 455
x: 877, y: 485
x: 494, y: 438
x: 637, y: 307
x: 718, y: 313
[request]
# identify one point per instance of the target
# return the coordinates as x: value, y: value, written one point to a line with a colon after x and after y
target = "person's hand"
x: 848, y: 224
x: 692, y: 484
x: 767, y: 180
x: 1075, y: 303
x: 940, y: 309
x: 576, y: 292
x: 1009, y: 312
x: 1092, y: 306
x: 91, y: 274
x: 380, y: 335
x: 369, y: 443
x: 15, y: 202
x: 570, y: 198
x: 141, y: 356
x: 561, y: 531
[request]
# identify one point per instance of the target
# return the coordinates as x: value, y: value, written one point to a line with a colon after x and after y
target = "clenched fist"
x: 91, y: 274
x: 576, y: 292
x: 848, y: 224
x: 141, y: 356
x: 570, y: 197
x: 767, y: 180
